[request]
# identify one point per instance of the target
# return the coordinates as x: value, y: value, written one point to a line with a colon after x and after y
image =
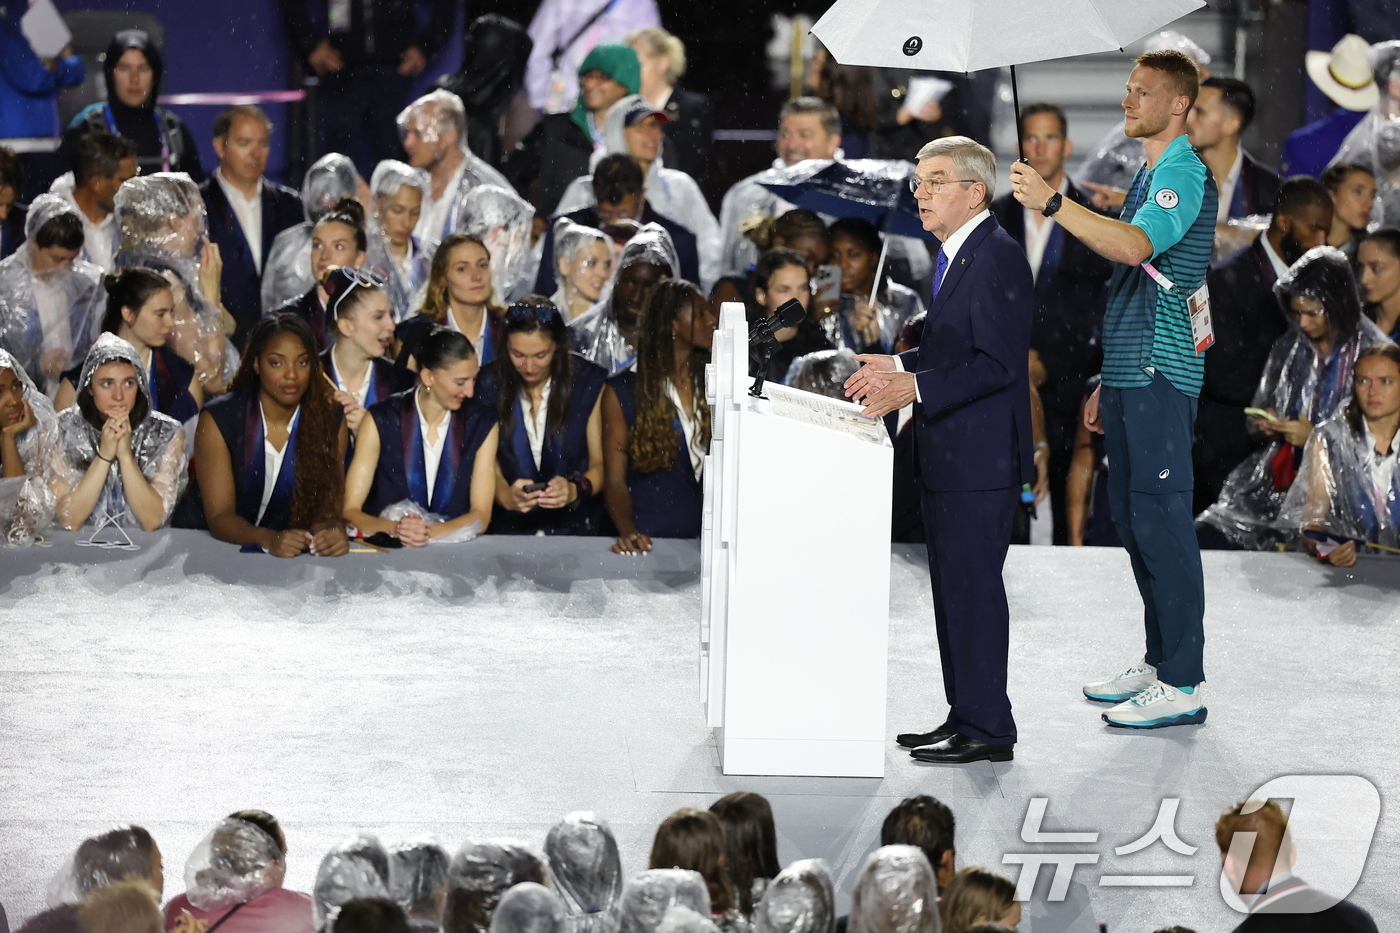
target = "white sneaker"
x: 1138, y: 677
x: 1158, y: 706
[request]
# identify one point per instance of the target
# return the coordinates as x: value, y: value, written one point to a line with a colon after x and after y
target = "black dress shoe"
x: 917, y: 739
x: 958, y: 749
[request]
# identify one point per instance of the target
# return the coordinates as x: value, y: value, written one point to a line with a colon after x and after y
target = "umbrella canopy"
x: 872, y: 189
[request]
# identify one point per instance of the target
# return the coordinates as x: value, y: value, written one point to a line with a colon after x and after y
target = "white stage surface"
x: 488, y: 689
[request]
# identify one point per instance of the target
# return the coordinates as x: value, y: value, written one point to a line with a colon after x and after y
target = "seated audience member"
x: 656, y: 423
x: 394, y: 251
x: 361, y: 325
x: 619, y: 189
x: 118, y: 460
x: 50, y: 300
x: 529, y: 907
x: 1306, y: 381
x: 799, y: 899
x: 371, y: 915
x: 356, y: 868
x: 125, y: 854
x: 857, y: 326
x: 549, y: 468
x: 780, y: 276
x: 750, y: 845
x: 245, y: 210
x: 1379, y: 259
x: 799, y: 230
x: 607, y: 334
x: 976, y: 895
x: 1247, y: 320
x: 130, y: 906
x: 1372, y: 142
x: 460, y: 296
x: 503, y: 221
x: 823, y: 373
x: 925, y: 822
x: 12, y: 213
x: 1344, y: 75
x: 895, y: 890
x: 234, y: 878
x: 1353, y: 191
x: 269, y: 455
x: 427, y: 455
x: 1348, y: 483
x: 102, y: 163
x: 647, y: 898
x: 694, y: 839
x: 140, y: 310
x: 587, y: 871
x: 286, y: 273
x: 1255, y: 843
x: 689, y: 125
x: 1223, y: 110
x: 338, y: 241
x: 583, y: 257
x: 479, y: 874
x: 418, y: 882
x: 28, y: 431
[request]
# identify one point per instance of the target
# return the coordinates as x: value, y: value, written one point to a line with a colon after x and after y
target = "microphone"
x: 789, y: 314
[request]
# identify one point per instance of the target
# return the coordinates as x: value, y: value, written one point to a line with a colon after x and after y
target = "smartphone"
x: 1260, y: 413
x: 536, y: 487
x: 826, y: 285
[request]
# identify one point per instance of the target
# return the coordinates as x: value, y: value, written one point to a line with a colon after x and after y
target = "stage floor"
x: 488, y: 689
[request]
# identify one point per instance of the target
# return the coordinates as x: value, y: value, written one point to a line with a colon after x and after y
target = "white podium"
x: 796, y: 568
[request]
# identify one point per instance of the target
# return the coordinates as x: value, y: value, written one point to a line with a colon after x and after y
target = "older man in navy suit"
x: 971, y: 387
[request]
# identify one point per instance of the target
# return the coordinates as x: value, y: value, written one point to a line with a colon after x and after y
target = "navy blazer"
x: 687, y: 252
x: 971, y: 368
x: 241, y: 284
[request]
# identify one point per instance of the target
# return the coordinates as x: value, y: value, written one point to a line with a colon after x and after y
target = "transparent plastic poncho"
x: 569, y: 239
x: 529, y: 907
x: 287, y: 269
x: 802, y: 899
x: 823, y: 372
x: 1297, y: 383
x: 1375, y: 141
x: 502, y: 220
x: 595, y: 334
x: 162, y: 226
x: 48, y: 319
x: 356, y: 868
x: 681, y: 919
x: 584, y: 861
x: 97, y: 862
x: 235, y: 863
x: 492, y: 867
x: 895, y: 893
x: 27, y: 502
x: 647, y: 897
x: 417, y: 872
x: 894, y: 304
x: 1344, y: 487
x: 157, y: 444
x: 403, y: 278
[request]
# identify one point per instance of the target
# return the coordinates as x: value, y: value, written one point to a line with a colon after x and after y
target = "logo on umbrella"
x: 912, y: 45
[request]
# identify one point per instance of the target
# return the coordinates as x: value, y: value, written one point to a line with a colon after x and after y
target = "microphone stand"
x: 767, y: 344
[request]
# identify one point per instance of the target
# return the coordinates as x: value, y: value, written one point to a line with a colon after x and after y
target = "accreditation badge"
x: 1202, y: 333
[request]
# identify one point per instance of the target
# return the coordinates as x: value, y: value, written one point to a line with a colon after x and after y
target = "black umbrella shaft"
x: 1016, y: 104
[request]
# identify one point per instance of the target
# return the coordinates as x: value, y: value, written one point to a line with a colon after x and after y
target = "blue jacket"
x: 1309, y: 149
x: 974, y: 417
x: 28, y: 90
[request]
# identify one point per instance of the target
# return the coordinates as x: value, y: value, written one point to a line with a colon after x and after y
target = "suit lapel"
x: 272, y: 222
x: 965, y: 258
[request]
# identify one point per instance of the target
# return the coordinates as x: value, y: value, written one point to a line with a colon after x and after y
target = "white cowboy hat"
x: 1344, y: 74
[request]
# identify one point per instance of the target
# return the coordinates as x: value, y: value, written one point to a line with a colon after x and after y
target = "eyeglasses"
x: 935, y: 185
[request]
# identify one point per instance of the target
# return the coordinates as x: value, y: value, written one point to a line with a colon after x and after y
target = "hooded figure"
x: 236, y: 862
x: 123, y: 852
x: 647, y: 897
x: 1375, y: 141
x: 801, y: 899
x: 494, y: 54
x: 157, y: 446
x: 681, y: 919
x: 569, y: 239
x: 583, y: 859
x: 358, y: 867
x: 48, y: 319
x: 1299, y: 383
x: 895, y: 893
x: 597, y: 334
x: 27, y: 421
x: 163, y: 142
x: 403, y: 275
x: 287, y: 270
x: 529, y: 907
x: 481, y: 872
x: 418, y: 881
x: 502, y: 220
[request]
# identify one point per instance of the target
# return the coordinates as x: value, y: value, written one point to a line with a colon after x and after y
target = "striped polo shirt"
x: 1146, y: 327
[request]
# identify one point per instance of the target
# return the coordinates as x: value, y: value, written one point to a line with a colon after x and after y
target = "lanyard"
x: 160, y: 128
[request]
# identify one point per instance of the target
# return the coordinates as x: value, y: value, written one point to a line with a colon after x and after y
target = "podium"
x: 795, y: 575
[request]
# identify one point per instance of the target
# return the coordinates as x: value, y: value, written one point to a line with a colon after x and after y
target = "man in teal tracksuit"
x: 1153, y: 350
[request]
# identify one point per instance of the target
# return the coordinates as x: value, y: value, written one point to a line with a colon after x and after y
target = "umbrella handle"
x: 879, y: 268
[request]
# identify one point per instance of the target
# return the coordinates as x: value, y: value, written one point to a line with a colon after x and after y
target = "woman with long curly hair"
x: 656, y: 422
x: 458, y: 297
x: 269, y: 455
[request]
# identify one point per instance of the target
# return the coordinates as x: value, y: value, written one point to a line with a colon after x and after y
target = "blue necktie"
x: 939, y: 270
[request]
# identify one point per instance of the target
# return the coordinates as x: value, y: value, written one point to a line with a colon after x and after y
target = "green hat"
x: 618, y: 62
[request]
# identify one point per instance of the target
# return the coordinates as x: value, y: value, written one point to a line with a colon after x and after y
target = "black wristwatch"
x: 1053, y: 205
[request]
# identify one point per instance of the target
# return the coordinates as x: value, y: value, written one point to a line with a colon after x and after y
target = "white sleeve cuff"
x: 899, y: 367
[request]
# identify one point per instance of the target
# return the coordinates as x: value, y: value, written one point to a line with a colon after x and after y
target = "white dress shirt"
x: 690, y: 428
x: 432, y: 450
x: 99, y: 239
x: 535, y: 424
x: 272, y: 458
x: 478, y: 339
x: 434, y: 216
x: 249, y: 214
x: 362, y: 392
x: 1227, y: 187
x: 1038, y: 229
x: 1280, y: 267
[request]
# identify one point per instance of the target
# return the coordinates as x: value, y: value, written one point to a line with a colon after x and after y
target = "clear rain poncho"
x: 287, y: 269
x: 157, y: 443
x: 681, y: 919
x: 587, y: 869
x: 895, y: 893
x: 569, y: 239
x: 417, y: 872
x: 595, y: 334
x: 491, y: 868
x: 27, y: 502
x: 529, y: 907
x: 802, y: 899
x: 502, y: 220
x: 403, y: 278
x: 1344, y: 487
x: 235, y: 863
x: 1375, y: 141
x: 647, y: 897
x: 824, y: 372
x: 358, y: 867
x: 1297, y: 383
x: 162, y: 225
x: 48, y: 319
x: 123, y: 852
